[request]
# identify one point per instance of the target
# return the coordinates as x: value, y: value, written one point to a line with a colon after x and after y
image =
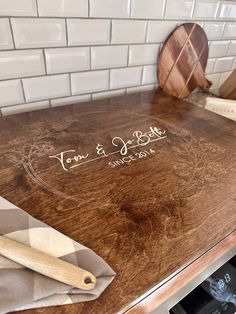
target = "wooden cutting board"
x: 183, y: 60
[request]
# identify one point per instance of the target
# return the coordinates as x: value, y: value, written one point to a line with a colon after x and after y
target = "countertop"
x: 146, y: 180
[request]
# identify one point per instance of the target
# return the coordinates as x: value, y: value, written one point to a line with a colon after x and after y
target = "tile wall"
x: 57, y: 52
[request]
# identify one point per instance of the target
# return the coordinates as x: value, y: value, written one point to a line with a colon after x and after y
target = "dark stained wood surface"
x: 182, y: 61
x: 165, y: 296
x: 146, y: 218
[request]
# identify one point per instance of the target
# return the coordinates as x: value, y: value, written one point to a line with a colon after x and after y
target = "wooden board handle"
x: 205, y: 85
x: 46, y: 265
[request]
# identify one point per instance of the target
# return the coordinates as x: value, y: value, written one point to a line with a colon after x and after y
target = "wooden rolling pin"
x: 46, y: 265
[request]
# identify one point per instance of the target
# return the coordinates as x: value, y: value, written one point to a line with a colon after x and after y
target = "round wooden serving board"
x: 183, y: 60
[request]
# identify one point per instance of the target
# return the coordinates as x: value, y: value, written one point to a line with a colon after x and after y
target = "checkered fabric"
x: 22, y: 288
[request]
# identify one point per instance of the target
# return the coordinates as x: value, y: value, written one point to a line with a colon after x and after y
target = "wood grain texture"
x: 228, y: 89
x: 165, y: 296
x: 148, y: 217
x: 182, y: 61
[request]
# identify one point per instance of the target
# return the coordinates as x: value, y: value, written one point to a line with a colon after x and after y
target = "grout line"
x: 104, y: 45
x: 223, y: 30
x: 218, y: 10
x: 37, y: 8
x: 193, y: 9
x: 101, y: 45
x: 146, y: 32
x: 227, y: 52
x: 128, y: 52
x: 73, y: 96
x: 67, y: 35
x: 164, y: 14
x: 64, y: 73
x: 130, y: 7
x: 39, y: 76
x: 226, y: 20
x: 45, y: 63
x: 90, y: 58
x: 89, y: 9
x: 23, y: 91
x: 110, y: 40
x: 42, y: 100
x: 26, y: 103
x: 142, y: 73
x: 13, y: 39
x: 97, y: 70
x: 70, y: 84
x: 109, y: 79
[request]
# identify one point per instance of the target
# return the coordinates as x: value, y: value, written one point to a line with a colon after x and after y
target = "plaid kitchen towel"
x: 22, y: 288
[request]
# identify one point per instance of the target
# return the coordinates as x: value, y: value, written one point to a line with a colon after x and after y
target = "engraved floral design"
x: 195, y: 166
x: 40, y: 146
x: 24, y: 155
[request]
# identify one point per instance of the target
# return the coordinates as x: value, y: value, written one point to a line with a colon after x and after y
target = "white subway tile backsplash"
x: 18, y: 7
x: 128, y: 31
x: 214, y: 78
x: 232, y: 48
x: 215, y: 92
x: 88, y: 82
x: 139, y: 89
x: 210, y: 66
x: 223, y: 64
x: 143, y: 54
x: 218, y: 48
x: 113, y: 47
x: 234, y: 64
x: 6, y: 111
x: 214, y: 30
x: 67, y: 8
x: 113, y: 93
x: 11, y: 93
x: 109, y: 57
x: 158, y: 31
x: 110, y: 9
x: 149, y: 74
x: 223, y: 77
x: 88, y: 32
x: 46, y: 87
x: 206, y: 9
x: 62, y: 60
x: 70, y: 100
x: 33, y: 33
x: 181, y: 9
x: 120, y: 78
x: 230, y: 31
x: 21, y: 63
x: 154, y: 9
x: 227, y: 10
x: 6, y: 41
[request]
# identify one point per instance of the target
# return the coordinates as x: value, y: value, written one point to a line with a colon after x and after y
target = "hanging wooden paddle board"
x: 182, y: 61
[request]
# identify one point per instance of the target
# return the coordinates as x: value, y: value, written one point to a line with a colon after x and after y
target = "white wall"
x: 56, y: 52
